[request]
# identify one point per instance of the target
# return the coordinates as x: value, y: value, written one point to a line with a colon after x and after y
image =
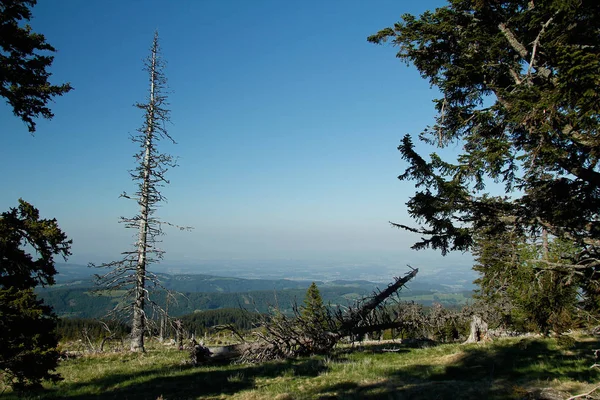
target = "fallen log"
x: 283, y: 337
x: 229, y: 352
x: 351, y: 320
x: 292, y: 337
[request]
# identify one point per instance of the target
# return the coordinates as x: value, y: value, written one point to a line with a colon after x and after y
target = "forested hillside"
x: 84, y: 303
x: 80, y: 299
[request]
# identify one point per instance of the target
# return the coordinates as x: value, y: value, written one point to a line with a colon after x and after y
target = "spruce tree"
x: 518, y: 94
x: 28, y: 244
x: 23, y: 69
x: 313, y: 311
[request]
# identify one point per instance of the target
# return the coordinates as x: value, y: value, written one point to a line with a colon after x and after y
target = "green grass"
x: 504, y: 369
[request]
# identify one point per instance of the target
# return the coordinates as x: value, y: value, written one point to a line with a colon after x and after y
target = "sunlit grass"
x: 504, y: 369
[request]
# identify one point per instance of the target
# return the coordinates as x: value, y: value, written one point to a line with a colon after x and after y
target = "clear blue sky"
x: 287, y: 123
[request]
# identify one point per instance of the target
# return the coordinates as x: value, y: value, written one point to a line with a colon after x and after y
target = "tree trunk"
x: 479, y: 331
x: 138, y: 325
x: 350, y: 323
x: 179, y: 334
x: 285, y: 337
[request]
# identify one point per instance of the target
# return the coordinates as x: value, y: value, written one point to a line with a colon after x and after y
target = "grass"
x: 504, y: 369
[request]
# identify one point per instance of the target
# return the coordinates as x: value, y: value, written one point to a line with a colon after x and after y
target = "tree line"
x: 89, y: 304
x: 199, y: 323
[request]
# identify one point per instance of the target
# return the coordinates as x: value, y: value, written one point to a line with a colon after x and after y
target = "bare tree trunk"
x: 285, y: 337
x: 131, y: 272
x: 479, y: 330
x: 179, y: 334
x: 163, y: 322
x: 350, y: 322
x: 139, y: 323
x: 161, y: 331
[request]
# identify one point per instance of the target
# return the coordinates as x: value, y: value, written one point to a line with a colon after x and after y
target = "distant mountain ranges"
x: 75, y: 294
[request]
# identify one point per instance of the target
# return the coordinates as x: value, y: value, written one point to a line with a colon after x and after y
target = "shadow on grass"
x: 498, y: 371
x: 401, y: 391
x: 185, y: 381
x: 378, y: 348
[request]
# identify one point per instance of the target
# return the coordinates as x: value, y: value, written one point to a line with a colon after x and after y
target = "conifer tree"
x: 517, y: 294
x: 313, y: 312
x: 23, y: 70
x: 518, y: 95
x: 131, y: 272
x: 28, y: 245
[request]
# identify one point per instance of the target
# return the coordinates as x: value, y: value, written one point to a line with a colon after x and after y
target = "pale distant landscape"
x: 73, y: 294
x: 451, y: 277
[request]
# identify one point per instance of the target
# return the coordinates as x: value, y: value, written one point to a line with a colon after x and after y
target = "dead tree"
x: 87, y: 340
x: 131, y: 272
x: 178, y: 324
x: 362, y: 319
x: 282, y: 337
x: 110, y: 335
x: 479, y: 330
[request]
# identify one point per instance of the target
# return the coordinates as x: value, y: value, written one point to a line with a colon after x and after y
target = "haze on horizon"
x: 287, y: 123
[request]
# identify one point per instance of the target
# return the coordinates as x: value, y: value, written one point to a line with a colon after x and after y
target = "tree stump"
x: 199, y: 354
x: 479, y: 331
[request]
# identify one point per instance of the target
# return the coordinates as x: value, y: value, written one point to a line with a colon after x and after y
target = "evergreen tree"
x: 517, y: 294
x: 497, y: 261
x: 543, y: 299
x: 313, y: 311
x: 518, y: 82
x: 28, y: 352
x: 28, y: 244
x: 23, y: 70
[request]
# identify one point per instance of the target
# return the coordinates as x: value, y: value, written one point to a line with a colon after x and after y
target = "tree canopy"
x: 28, y: 353
x: 22, y: 230
x: 23, y: 69
x: 518, y: 86
x: 514, y: 293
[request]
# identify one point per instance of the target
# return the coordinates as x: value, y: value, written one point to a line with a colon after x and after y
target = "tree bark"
x: 479, y: 331
x: 350, y: 324
x: 139, y: 323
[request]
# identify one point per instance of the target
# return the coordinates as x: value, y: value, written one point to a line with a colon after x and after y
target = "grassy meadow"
x: 515, y: 368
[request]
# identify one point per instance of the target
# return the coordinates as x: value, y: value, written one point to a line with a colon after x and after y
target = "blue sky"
x: 287, y: 123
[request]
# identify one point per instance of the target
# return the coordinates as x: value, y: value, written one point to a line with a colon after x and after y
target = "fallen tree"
x: 280, y: 337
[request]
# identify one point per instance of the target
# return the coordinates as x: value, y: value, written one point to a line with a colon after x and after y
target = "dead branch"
x: 519, y: 47
x: 281, y: 337
x: 536, y: 43
x: 584, y: 394
x: 232, y: 329
x: 351, y: 321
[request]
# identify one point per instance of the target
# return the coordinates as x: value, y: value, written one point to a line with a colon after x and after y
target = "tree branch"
x: 536, y: 42
x: 519, y: 47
